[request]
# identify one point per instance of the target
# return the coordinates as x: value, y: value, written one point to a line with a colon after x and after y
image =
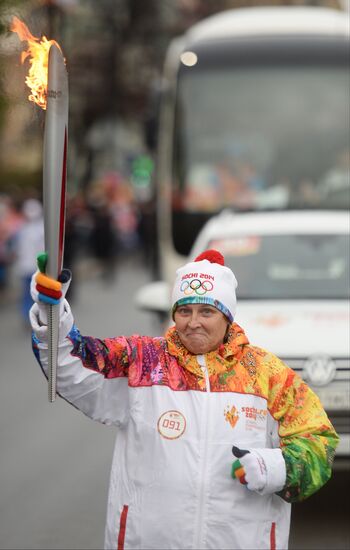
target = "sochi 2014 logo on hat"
x: 195, y: 283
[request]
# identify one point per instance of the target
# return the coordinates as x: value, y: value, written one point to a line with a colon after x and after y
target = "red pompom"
x: 213, y: 256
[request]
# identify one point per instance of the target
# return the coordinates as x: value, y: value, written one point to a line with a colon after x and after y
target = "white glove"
x: 261, y: 470
x: 42, y: 305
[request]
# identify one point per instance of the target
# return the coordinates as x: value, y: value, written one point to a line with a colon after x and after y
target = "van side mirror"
x: 154, y: 297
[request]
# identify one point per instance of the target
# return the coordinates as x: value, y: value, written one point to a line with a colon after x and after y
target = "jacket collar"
x: 218, y: 360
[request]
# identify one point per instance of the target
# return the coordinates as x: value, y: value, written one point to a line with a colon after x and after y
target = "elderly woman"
x: 182, y: 404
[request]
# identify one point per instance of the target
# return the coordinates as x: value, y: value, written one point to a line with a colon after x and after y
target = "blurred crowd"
x: 105, y: 223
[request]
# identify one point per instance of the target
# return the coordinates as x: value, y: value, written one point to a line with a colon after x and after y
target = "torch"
x: 48, y: 81
x: 54, y: 191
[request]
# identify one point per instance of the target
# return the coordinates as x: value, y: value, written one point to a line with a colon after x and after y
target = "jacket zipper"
x: 204, y: 450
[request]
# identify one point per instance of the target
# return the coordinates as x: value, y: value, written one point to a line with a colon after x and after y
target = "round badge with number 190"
x: 171, y: 425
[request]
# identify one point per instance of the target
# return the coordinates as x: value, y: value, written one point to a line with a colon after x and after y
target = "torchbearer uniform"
x: 177, y: 417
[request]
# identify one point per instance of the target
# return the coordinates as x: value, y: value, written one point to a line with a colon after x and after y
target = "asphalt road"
x: 54, y: 462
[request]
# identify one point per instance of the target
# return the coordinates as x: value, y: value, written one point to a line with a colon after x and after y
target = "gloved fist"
x: 249, y: 469
x: 46, y: 290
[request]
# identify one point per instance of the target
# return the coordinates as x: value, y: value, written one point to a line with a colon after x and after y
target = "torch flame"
x: 38, y: 53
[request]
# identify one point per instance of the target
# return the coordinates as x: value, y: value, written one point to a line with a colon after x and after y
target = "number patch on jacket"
x: 171, y: 424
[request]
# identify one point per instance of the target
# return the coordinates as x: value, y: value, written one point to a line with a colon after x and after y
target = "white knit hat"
x: 206, y: 280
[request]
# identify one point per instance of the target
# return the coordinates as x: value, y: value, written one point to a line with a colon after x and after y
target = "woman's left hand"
x: 249, y: 469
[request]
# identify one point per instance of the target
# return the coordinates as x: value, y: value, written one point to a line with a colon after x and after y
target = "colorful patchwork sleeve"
x: 136, y: 358
x: 307, y: 437
x: 109, y: 357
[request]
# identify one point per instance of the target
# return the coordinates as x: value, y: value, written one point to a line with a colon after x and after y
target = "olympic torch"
x: 54, y: 190
x: 48, y: 81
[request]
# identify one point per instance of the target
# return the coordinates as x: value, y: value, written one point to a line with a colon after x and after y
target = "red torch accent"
x: 63, y: 201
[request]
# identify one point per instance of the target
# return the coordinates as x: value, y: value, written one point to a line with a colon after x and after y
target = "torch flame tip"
x: 37, y: 54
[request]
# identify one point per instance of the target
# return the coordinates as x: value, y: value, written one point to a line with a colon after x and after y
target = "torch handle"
x: 52, y: 325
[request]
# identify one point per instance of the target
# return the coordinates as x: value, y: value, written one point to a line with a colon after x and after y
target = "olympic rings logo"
x: 196, y: 286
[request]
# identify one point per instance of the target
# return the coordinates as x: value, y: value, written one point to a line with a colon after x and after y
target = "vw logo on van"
x: 319, y: 370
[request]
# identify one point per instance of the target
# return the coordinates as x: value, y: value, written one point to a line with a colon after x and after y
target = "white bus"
x: 254, y: 116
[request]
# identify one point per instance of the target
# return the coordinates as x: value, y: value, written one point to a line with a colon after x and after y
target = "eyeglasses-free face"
x: 201, y: 327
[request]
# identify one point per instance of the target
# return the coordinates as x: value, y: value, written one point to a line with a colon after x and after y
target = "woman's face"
x: 201, y: 327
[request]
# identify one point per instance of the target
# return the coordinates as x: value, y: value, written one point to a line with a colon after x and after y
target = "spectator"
x: 29, y: 242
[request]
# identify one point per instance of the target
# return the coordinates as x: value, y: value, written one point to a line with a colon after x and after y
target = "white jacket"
x: 177, y: 419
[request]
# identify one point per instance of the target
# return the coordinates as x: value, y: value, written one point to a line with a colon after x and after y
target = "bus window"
x: 259, y: 138
x: 253, y: 138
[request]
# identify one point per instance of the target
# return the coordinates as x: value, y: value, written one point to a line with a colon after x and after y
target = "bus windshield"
x: 261, y: 138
